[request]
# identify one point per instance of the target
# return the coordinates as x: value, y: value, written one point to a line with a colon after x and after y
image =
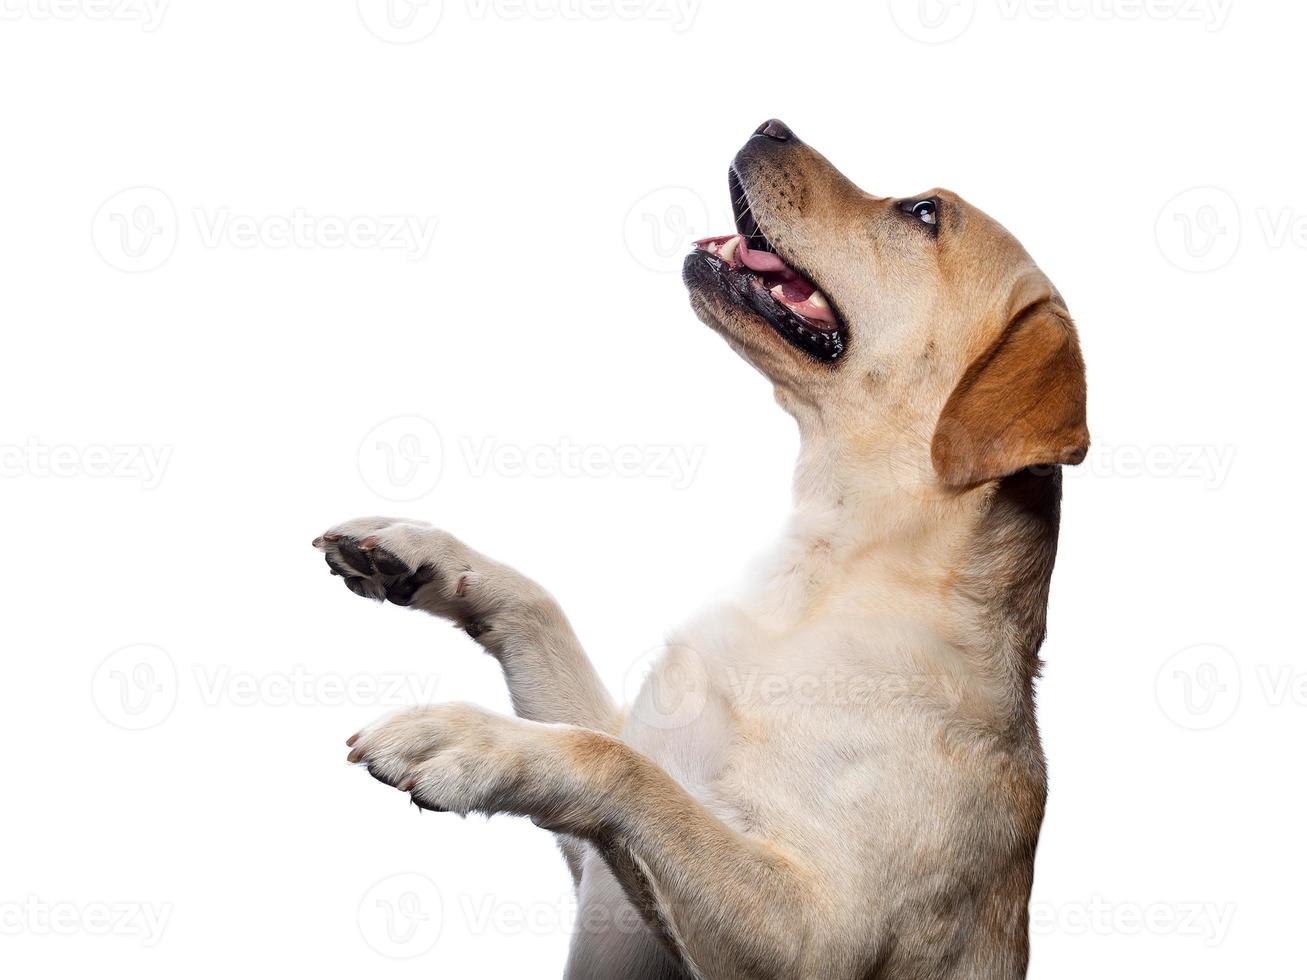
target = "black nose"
x: 776, y: 130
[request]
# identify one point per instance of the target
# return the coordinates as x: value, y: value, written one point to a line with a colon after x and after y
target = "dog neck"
x: 873, y: 535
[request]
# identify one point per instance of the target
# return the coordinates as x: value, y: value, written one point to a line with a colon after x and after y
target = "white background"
x: 189, y: 397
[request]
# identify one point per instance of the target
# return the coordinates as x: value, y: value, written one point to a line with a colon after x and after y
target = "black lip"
x: 740, y: 287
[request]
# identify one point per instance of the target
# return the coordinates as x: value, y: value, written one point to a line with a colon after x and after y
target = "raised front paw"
x: 459, y: 758
x: 404, y: 562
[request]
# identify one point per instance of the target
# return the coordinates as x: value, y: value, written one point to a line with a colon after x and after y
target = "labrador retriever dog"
x: 838, y: 774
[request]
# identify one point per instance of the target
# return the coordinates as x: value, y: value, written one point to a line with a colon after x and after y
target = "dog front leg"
x: 411, y: 563
x: 727, y: 905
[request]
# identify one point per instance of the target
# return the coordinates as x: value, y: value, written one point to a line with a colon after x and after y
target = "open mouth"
x: 751, y: 273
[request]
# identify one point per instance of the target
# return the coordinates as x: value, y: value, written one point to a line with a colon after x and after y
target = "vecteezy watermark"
x: 401, y: 916
x: 940, y: 21
x: 401, y: 459
x: 135, y: 688
x: 138, y: 687
x: 401, y: 21
x: 1200, y: 687
x: 302, y: 687
x: 1211, y: 14
x: 34, y: 916
x: 408, y: 21
x: 1203, y: 229
x: 680, y: 14
x: 409, y: 234
x: 1199, y: 230
x: 660, y: 227
x: 933, y: 21
x: 1205, y: 464
x: 493, y: 915
x: 135, y: 230
x: 840, y: 687
x: 670, y: 686
x: 667, y: 687
x: 147, y: 13
x: 1282, y: 684
x: 1208, y: 922
x: 138, y: 230
x: 678, y: 465
x: 37, y: 460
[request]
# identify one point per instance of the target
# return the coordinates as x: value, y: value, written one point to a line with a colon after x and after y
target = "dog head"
x: 917, y: 327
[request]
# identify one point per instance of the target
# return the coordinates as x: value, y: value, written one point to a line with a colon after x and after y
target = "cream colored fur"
x: 837, y: 775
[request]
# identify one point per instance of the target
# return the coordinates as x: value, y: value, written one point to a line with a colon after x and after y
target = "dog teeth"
x: 727, y: 249
x: 778, y: 293
x: 819, y: 301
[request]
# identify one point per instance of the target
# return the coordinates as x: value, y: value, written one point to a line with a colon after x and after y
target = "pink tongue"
x: 760, y: 261
x: 796, y: 291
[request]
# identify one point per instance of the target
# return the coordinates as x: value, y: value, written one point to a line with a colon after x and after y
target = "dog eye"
x: 926, y: 211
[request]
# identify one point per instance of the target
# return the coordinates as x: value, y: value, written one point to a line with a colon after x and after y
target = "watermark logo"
x: 1283, y: 227
x: 1208, y: 922
x: 401, y: 916
x: 409, y: 234
x: 1202, y: 687
x: 678, y: 465
x: 666, y: 687
x: 1282, y: 684
x: 492, y: 915
x: 38, y: 460
x: 933, y: 21
x: 1211, y: 14
x: 135, y: 688
x: 147, y: 13
x: 304, y: 688
x: 408, y: 21
x: 1199, y: 230
x: 402, y: 458
x: 680, y: 14
x: 144, y: 921
x: 1199, y: 688
x: 401, y: 21
x: 940, y: 21
x: 1206, y: 465
x: 661, y: 226
x: 138, y: 687
x: 136, y: 229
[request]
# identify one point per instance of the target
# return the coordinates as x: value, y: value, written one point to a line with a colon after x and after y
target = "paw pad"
x: 371, y: 571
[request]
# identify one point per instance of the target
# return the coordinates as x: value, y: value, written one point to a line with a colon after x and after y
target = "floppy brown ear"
x: 1020, y: 404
